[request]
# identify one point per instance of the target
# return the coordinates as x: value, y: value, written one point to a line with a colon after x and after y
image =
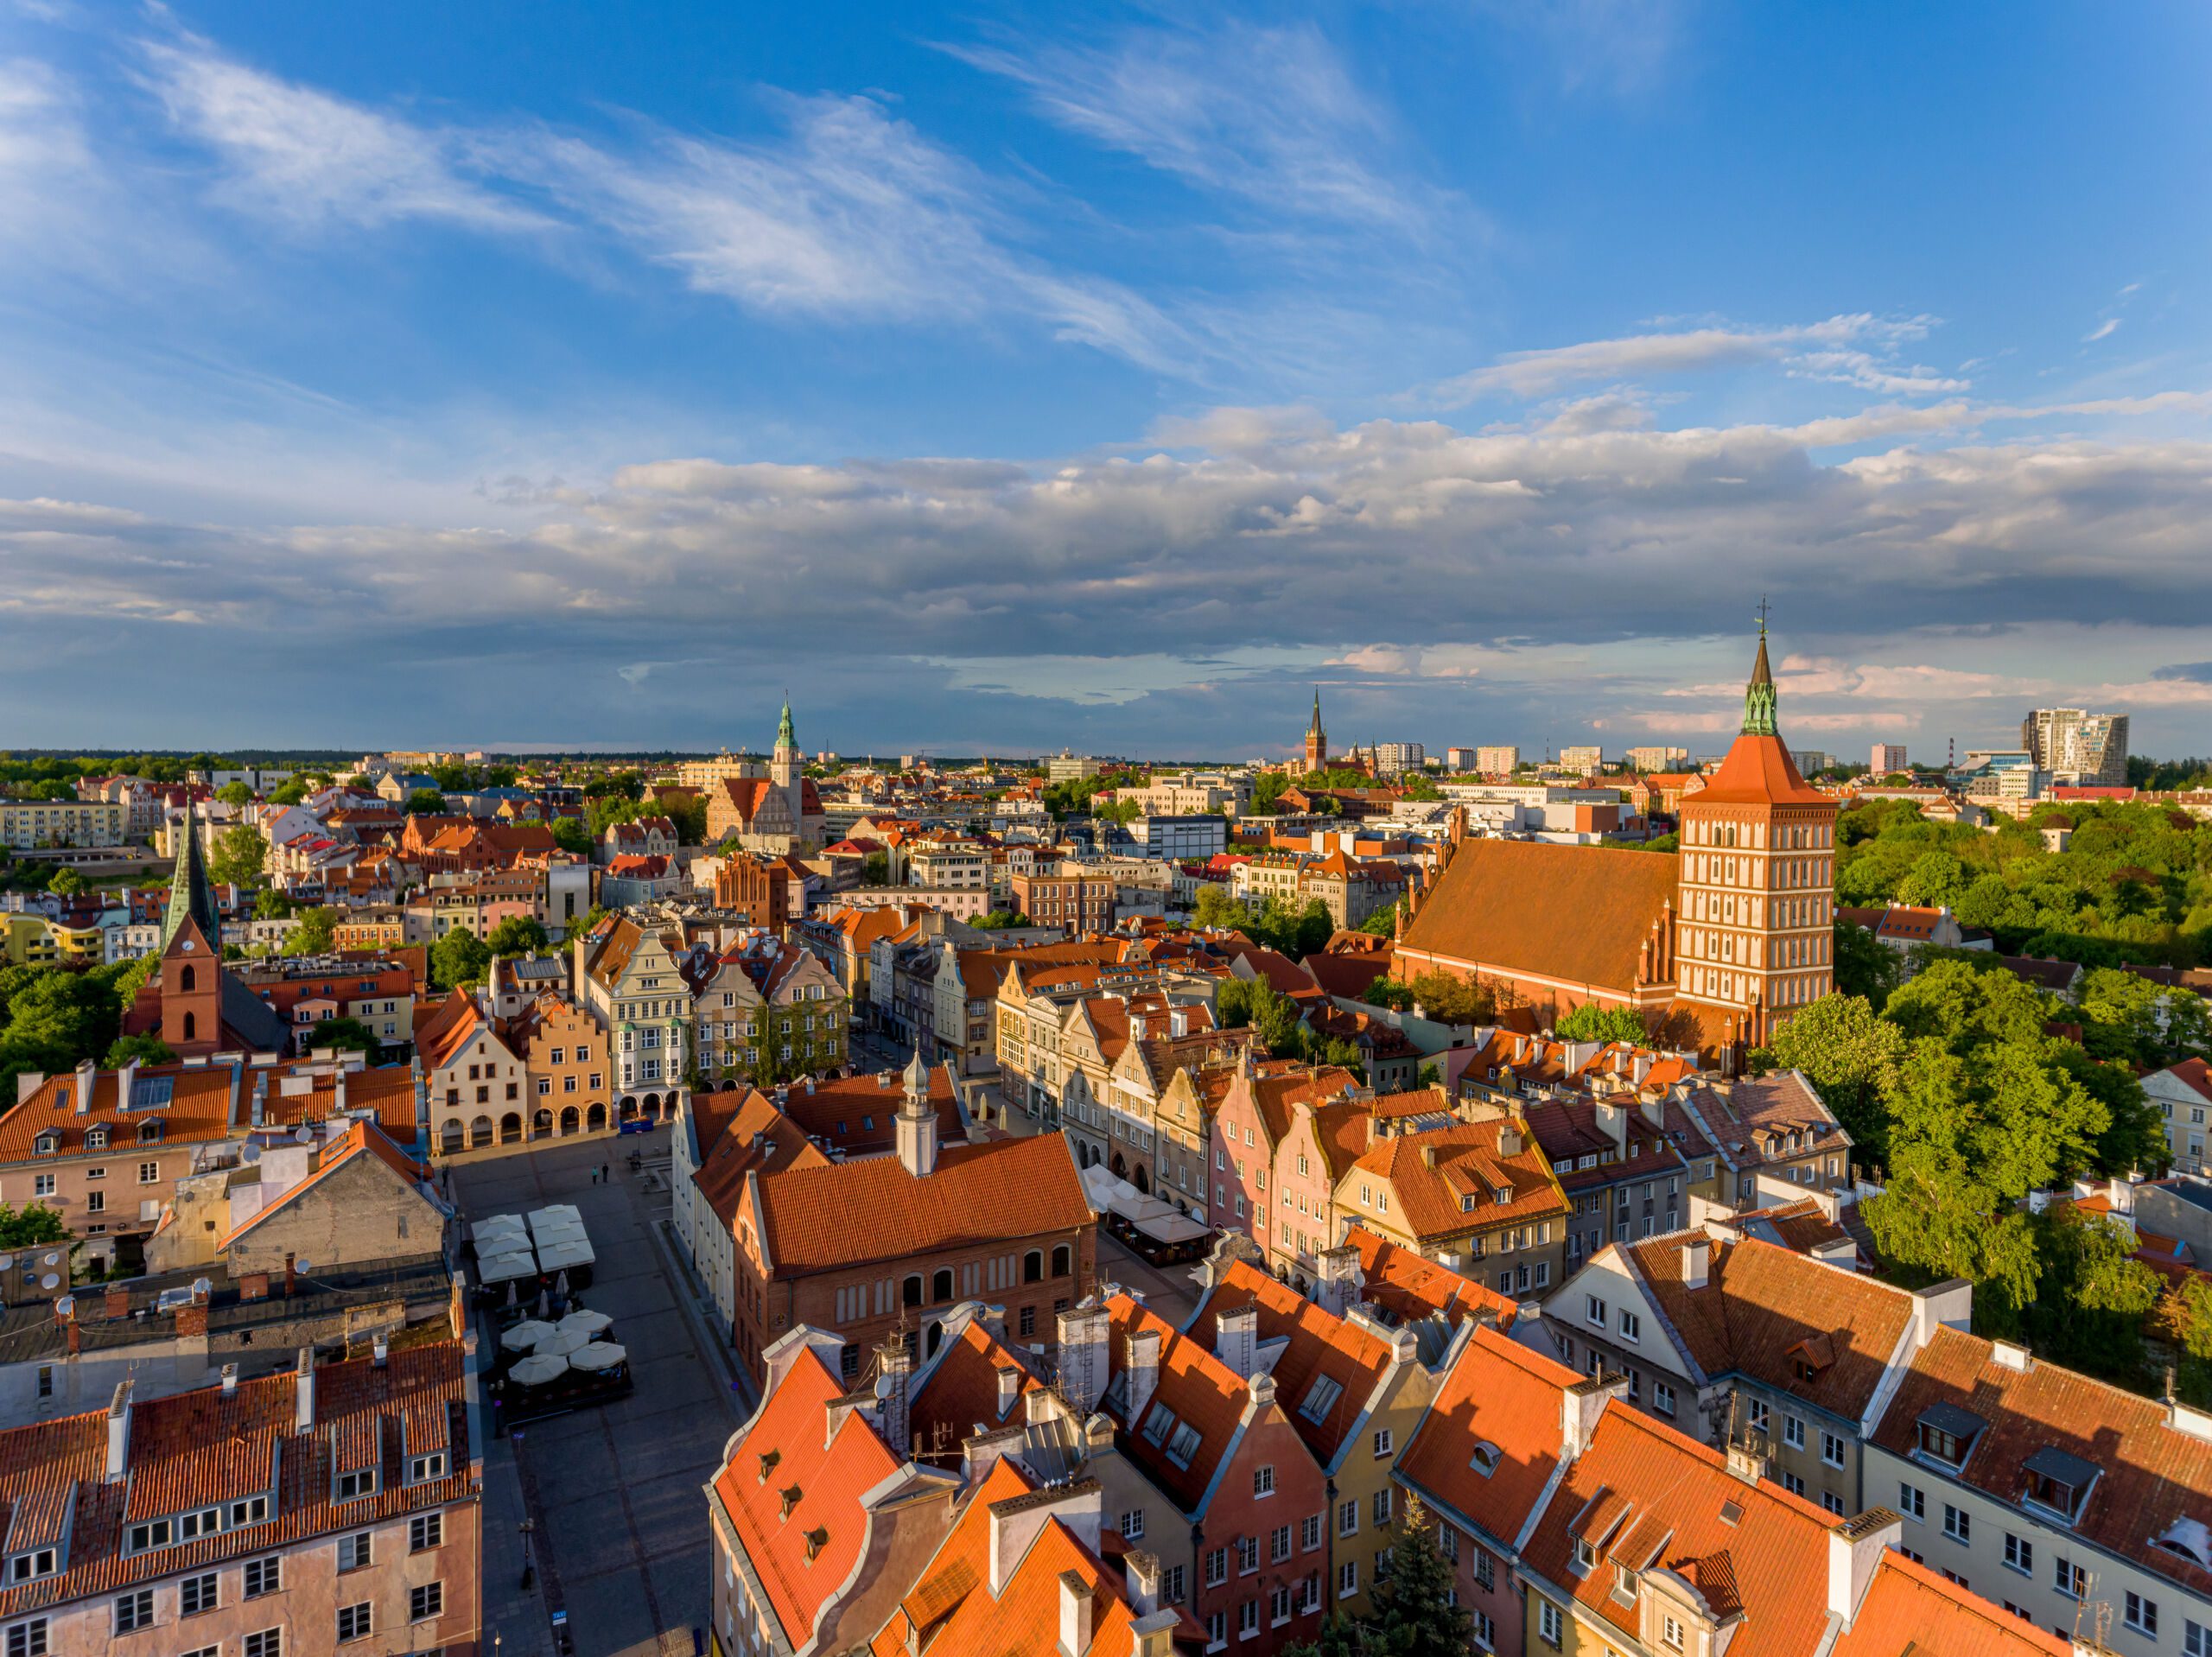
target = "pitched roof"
x: 363, y: 1141
x: 1741, y: 1118
x: 2152, y: 1473
x: 1499, y: 1396
x: 190, y: 1104
x: 1318, y: 1345
x: 1644, y: 1496
x: 998, y: 1191
x: 1194, y: 1387
x: 1763, y: 1311
x: 1346, y: 975
x: 2195, y: 1075
x: 1757, y: 770
x: 857, y: 1116
x: 959, y: 1390
x: 1910, y: 1606
x: 1409, y: 1286
x: 1578, y: 913
x: 1447, y: 1179
x: 791, y: 1478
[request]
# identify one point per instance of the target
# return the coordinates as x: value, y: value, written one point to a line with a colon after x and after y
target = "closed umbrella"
x: 561, y: 1342
x: 539, y: 1368
x: 600, y: 1355
x: 525, y: 1335
x: 590, y: 1324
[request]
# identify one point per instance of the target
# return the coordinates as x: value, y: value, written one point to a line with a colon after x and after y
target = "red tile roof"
x: 1757, y: 770
x: 1908, y: 1607
x: 1409, y: 1286
x: 199, y: 1108
x: 1498, y: 1392
x: 958, y: 1391
x: 1200, y: 1391
x: 1445, y: 1179
x: 822, y: 1474
x: 857, y: 1114
x: 1000, y: 1190
x: 1580, y: 914
x: 1318, y: 1344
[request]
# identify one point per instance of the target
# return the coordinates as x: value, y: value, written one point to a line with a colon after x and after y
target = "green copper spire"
x: 1758, y: 696
x: 785, y: 738
x: 191, y: 895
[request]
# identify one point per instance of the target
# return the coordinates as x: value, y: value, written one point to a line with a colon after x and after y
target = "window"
x: 1382, y: 1506
x: 2142, y: 1615
x: 1263, y: 1481
x: 28, y: 1639
x: 425, y: 1601
x: 1248, y: 1619
x: 25, y: 1566
x: 95, y: 1201
x: 361, y: 1482
x: 42, y: 1184
x: 1585, y: 1553
x: 1832, y: 1503
x: 1485, y: 1570
x: 1248, y: 1555
x: 1309, y: 1532
x: 1217, y: 1630
x: 1383, y: 1441
x: 1593, y: 1311
x: 265, y: 1575
x: 1347, y: 1579
x: 254, y: 1510
x: 1133, y: 1523
x: 2196, y: 1639
x: 198, y: 1594
x: 425, y: 1532
x: 1631, y: 1327
x: 1956, y: 1524
x: 1548, y: 1624
x: 1279, y: 1605
x: 1485, y: 1631
x: 355, y: 1621
x: 1831, y: 1448
x: 1671, y: 1632
x: 1348, y: 1518
x: 1758, y: 1416
x: 1912, y: 1501
x: 269, y: 1642
x: 1279, y: 1545
x: 134, y: 1610
x: 1793, y: 1483
x: 2069, y: 1577
x: 1662, y: 1398
x: 1217, y: 1567
x: 355, y: 1551
x: 1793, y: 1432
x: 2020, y: 1554
x: 150, y: 1174
x: 1171, y: 1585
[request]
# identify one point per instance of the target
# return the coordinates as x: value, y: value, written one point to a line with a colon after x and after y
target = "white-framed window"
x: 2142, y: 1615
x: 1631, y: 1327
x: 1383, y: 1441
x: 1831, y: 1448
x: 1593, y: 1311
x: 28, y: 1639
x: 426, y: 1601
x: 356, y: 1621
x: 1264, y: 1480
x: 1348, y: 1518
x: 1662, y: 1398
x: 1550, y: 1625
x: 1793, y: 1432
x: 134, y: 1610
x: 1957, y: 1525
x: 2020, y: 1554
x: 1347, y: 1579
x: 1912, y: 1501
x: 1133, y: 1523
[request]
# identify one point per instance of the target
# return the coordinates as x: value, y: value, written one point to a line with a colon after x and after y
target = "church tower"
x: 190, y: 978
x: 785, y: 771
x: 1756, y: 913
x: 1317, y: 739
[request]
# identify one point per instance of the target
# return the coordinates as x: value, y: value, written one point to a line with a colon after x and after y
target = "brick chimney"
x: 1236, y: 1338
x: 1144, y: 1372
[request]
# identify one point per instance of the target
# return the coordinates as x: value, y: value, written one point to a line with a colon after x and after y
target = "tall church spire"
x: 1758, y: 695
x: 192, y: 896
x: 785, y: 737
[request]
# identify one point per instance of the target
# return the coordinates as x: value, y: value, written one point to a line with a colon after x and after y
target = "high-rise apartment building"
x: 1658, y: 759
x: 2077, y: 746
x: 1888, y: 757
x: 1395, y: 758
x: 1583, y: 760
x: 1497, y: 757
x: 1462, y: 758
x: 1810, y: 760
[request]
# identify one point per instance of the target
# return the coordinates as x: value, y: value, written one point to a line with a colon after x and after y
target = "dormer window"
x: 206, y: 1522
x: 254, y: 1510
x: 47, y: 1143
x: 1486, y: 1458
x: 148, y: 1132
x: 2058, y: 1483
x: 155, y: 1532
x: 95, y: 1139
x: 421, y: 1469
x: 27, y: 1567
x: 1947, y: 1433
x: 1585, y: 1555
x: 1504, y: 1194
x: 361, y: 1482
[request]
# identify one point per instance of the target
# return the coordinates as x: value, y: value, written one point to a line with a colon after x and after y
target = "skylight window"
x: 1320, y: 1398
x: 1486, y: 1458
x: 1183, y: 1448
x: 1158, y: 1425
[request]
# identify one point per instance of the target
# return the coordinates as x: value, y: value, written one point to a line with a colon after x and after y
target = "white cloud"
x: 1268, y: 115
x: 2103, y: 330
x: 1853, y: 349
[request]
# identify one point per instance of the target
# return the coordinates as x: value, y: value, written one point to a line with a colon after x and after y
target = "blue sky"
x: 1008, y: 378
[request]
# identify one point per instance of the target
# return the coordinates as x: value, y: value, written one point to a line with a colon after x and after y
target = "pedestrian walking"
x: 605, y: 1173
x: 594, y: 1176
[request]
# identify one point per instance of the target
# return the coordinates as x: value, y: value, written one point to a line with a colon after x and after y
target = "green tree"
x: 235, y: 795
x: 1853, y: 1059
x: 291, y: 792
x: 425, y: 803
x: 1410, y: 1612
x: 876, y: 869
x: 1271, y: 1014
x: 608, y: 809
x: 583, y: 925
x: 57, y: 1019
x: 239, y: 852
x: 314, y: 933
x: 459, y: 958
x: 146, y: 1049
x: 1215, y: 908
x: 66, y: 883
x: 1453, y: 1000
x: 1388, y: 992
x: 1267, y: 793
x: 573, y: 836
x: 1383, y: 923
x: 348, y: 1034
x: 1000, y: 919
x: 518, y: 934
x: 1590, y: 1022
x: 30, y: 1225
x: 688, y: 811
x: 1865, y: 966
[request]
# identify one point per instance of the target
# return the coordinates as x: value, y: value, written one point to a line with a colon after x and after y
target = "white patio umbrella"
x: 589, y: 1322
x: 525, y: 1335
x: 539, y: 1368
x: 600, y: 1355
x: 561, y: 1342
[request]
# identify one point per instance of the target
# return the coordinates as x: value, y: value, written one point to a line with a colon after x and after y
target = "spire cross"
x: 1762, y: 612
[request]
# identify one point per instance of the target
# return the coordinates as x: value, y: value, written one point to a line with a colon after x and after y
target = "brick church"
x: 192, y: 1003
x: 1715, y: 945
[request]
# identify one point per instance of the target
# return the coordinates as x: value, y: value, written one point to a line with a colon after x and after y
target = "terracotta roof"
x: 1456, y: 1193
x: 193, y: 1450
x: 1577, y: 913
x: 733, y: 1152
x: 361, y: 1139
x: 1408, y: 1286
x: 1200, y: 1392
x: 822, y: 1474
x: 1757, y: 770
x: 1319, y: 1345
x: 1800, y: 1227
x: 1501, y: 1394
x: 190, y: 1104
x: 999, y: 1191
x: 2152, y: 1473
x: 857, y: 1114
x: 1644, y: 1495
x: 2195, y: 1075
x: 612, y: 947
x: 386, y: 1090
x: 958, y: 1391
x: 1909, y: 1606
x: 1765, y: 1310
x: 1740, y: 1117
x: 1346, y: 975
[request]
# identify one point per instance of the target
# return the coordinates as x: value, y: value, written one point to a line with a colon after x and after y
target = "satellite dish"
x: 49, y: 1282
x: 65, y: 1306
x: 53, y: 1260
x: 885, y: 1386
x: 303, y: 1266
x: 251, y: 1155
x: 304, y: 1134
x: 7, y: 1262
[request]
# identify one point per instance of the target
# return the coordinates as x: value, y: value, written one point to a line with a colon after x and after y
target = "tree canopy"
x: 458, y: 958
x: 518, y: 934
x: 425, y: 803
x: 1590, y: 1022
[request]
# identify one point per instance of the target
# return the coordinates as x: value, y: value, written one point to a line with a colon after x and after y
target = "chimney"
x: 1136, y: 1026
x: 2009, y: 1354
x: 378, y: 1352
x: 1178, y: 1021
x: 303, y: 1392
x: 118, y: 1433
x: 1509, y: 1140
x: 1695, y: 1253
x: 87, y: 1073
x: 28, y: 1083
x: 1144, y: 1372
x: 1082, y: 1335
x: 1075, y: 1602
x: 1015, y: 1522
x: 1143, y: 1571
x: 1009, y: 1387
x: 1855, y: 1549
x: 1337, y: 1270
x: 1236, y: 1338
x: 1580, y: 1406
x: 894, y: 1387
x: 1940, y: 1305
x: 229, y: 1381
x: 1613, y: 1122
